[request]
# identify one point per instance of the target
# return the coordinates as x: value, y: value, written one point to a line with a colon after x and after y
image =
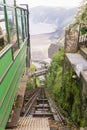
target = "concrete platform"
x: 78, y: 62
x: 27, y: 123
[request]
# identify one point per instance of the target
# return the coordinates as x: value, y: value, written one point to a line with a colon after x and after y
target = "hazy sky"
x: 63, y: 3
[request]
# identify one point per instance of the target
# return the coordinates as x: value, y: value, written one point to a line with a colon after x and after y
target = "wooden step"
x: 41, y: 107
x: 42, y: 100
x: 42, y: 114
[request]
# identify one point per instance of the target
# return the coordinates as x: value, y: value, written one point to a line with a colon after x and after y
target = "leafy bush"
x: 65, y: 89
x: 29, y: 84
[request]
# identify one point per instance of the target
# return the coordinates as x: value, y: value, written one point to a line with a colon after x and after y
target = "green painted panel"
x: 9, y: 85
x: 9, y: 77
x: 9, y: 101
x: 5, y: 61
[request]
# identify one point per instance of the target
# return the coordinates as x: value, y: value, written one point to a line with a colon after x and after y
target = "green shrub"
x: 67, y: 94
x: 29, y: 84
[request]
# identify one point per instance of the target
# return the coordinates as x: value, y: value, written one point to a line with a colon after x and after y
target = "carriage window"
x: 1, y: 1
x: 23, y: 17
x: 20, y: 26
x: 12, y: 27
x: 26, y: 24
x: 9, y: 2
x: 3, y: 33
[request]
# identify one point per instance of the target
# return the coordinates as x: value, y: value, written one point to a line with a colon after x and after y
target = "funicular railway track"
x: 37, y: 110
x: 40, y: 106
x: 29, y: 100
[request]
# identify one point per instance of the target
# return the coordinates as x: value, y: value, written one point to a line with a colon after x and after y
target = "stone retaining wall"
x: 71, y: 41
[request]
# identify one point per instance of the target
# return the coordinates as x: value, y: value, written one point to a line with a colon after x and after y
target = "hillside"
x: 57, y: 17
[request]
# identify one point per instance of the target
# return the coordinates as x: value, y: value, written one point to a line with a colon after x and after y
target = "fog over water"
x: 39, y: 46
x: 41, y: 28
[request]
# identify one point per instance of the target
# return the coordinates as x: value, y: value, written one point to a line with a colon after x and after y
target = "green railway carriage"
x: 14, y: 53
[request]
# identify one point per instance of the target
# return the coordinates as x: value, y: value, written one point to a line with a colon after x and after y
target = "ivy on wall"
x: 65, y: 86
